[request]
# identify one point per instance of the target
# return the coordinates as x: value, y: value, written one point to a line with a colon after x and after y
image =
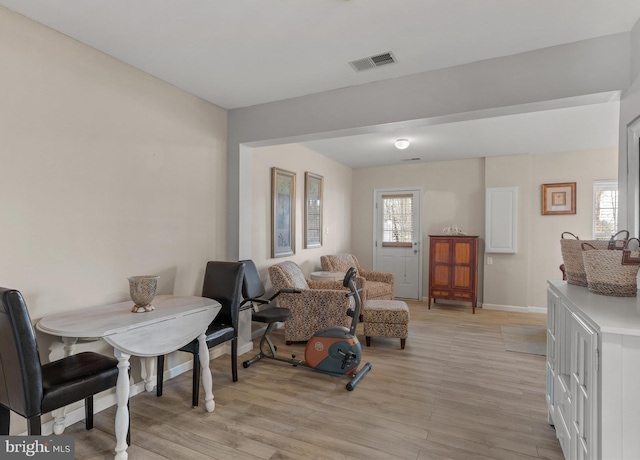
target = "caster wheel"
x: 245, y: 364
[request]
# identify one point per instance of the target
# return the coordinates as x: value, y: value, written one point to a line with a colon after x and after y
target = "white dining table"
x: 175, y: 322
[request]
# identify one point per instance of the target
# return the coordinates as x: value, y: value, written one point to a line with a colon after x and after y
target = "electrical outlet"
x: 489, y: 260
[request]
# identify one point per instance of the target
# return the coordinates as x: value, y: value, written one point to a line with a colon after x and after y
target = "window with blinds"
x: 605, y: 209
x: 397, y: 223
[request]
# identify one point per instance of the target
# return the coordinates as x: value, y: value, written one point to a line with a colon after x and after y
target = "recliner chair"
x: 376, y: 285
x: 317, y: 305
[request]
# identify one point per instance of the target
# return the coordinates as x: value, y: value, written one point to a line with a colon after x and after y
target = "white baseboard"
x: 242, y: 349
x: 513, y: 308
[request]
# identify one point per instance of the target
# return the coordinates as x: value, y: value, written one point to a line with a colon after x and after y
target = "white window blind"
x: 397, y: 226
x: 605, y: 209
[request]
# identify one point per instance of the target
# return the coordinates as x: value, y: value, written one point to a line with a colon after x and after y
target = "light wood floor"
x: 453, y: 393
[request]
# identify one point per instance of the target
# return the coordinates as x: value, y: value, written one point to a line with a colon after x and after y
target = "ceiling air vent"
x: 373, y: 61
x: 411, y: 159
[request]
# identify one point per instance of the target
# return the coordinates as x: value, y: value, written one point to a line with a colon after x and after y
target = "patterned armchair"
x: 377, y: 285
x: 320, y: 304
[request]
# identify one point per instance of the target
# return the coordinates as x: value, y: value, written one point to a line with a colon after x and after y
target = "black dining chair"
x: 222, y: 282
x: 30, y: 388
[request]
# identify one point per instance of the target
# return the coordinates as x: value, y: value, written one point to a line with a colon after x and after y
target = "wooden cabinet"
x: 453, y: 268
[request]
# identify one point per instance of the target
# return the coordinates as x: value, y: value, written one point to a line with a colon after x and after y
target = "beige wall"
x: 504, y: 282
x: 454, y: 193
x: 519, y: 280
x: 107, y: 172
x: 549, y: 78
x: 337, y: 205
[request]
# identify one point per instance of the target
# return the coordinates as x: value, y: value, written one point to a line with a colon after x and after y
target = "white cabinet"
x: 552, y: 302
x: 560, y: 364
x: 583, y: 389
x: 593, y: 373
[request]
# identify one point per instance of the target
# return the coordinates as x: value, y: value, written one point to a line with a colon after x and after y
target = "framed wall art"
x: 313, y: 210
x: 559, y: 198
x: 283, y: 212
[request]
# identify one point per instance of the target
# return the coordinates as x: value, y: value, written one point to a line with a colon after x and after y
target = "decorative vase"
x: 143, y: 290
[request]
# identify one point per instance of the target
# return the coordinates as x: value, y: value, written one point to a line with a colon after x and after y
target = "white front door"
x: 397, y: 238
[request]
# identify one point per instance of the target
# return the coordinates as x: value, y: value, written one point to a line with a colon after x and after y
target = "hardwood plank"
x: 453, y: 393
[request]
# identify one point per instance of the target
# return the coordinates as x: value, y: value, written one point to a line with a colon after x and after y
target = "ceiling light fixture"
x: 402, y: 144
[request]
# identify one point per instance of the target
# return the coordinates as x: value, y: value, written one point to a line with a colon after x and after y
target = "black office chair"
x: 265, y: 310
x: 31, y: 389
x: 222, y: 282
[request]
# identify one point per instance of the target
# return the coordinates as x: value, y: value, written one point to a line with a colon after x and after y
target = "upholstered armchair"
x: 377, y: 285
x: 319, y: 304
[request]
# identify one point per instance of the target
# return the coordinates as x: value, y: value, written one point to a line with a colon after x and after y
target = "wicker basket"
x: 572, y: 257
x: 611, y: 272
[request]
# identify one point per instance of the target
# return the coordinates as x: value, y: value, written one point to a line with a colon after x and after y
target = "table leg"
x: 69, y: 345
x: 147, y: 369
x: 122, y: 397
x: 207, y: 381
x: 59, y: 415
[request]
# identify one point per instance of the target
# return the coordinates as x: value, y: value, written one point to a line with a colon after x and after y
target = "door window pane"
x: 397, y: 224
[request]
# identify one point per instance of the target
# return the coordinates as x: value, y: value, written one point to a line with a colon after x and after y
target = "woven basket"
x: 572, y: 257
x: 606, y: 272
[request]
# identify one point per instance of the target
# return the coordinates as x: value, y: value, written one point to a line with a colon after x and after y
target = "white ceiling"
x: 238, y: 53
x: 584, y: 127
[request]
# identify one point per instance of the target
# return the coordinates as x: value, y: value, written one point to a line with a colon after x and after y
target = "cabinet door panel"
x: 582, y: 365
x: 462, y: 277
x: 462, y: 253
x: 440, y: 276
x: 441, y: 252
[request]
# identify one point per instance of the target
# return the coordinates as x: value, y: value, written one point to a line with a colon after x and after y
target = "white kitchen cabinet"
x: 593, y: 376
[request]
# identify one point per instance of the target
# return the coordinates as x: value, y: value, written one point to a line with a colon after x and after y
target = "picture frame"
x: 558, y: 199
x: 313, y: 201
x: 283, y: 212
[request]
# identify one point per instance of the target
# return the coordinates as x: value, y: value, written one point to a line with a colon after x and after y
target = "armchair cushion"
x: 320, y: 304
x: 376, y: 285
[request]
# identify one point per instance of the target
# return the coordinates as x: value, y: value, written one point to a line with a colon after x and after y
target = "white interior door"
x: 397, y: 238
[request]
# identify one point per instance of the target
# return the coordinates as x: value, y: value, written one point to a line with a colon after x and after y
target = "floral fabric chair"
x: 320, y: 304
x: 377, y: 285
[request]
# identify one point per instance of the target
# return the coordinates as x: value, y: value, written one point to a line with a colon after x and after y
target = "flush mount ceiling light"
x: 402, y: 144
